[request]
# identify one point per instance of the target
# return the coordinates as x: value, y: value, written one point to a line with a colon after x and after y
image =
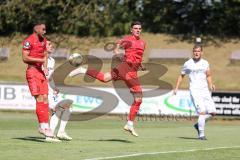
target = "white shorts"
x: 203, y: 101
x: 56, y: 101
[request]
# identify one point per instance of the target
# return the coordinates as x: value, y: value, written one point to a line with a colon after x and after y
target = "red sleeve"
x: 124, y: 43
x: 27, y: 44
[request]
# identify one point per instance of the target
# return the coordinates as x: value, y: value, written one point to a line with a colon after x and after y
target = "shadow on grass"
x: 112, y: 140
x: 34, y: 139
x: 189, y: 138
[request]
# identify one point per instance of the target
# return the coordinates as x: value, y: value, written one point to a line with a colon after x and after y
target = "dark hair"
x: 136, y: 23
x: 38, y: 22
x: 47, y: 38
x: 198, y: 46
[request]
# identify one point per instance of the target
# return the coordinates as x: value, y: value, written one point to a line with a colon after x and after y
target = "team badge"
x: 26, y: 45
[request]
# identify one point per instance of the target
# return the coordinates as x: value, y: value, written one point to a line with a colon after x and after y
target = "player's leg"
x: 201, y: 125
x: 135, y: 107
x: 39, y: 89
x: 210, y: 109
x: 40, y: 111
x: 207, y: 114
x: 200, y: 108
x: 210, y: 106
x: 103, y: 77
x: 44, y: 91
x: 34, y: 86
x: 65, y: 116
x: 77, y: 71
x: 116, y: 73
x: 133, y: 113
x: 134, y: 85
x: 42, y: 114
x: 56, y: 113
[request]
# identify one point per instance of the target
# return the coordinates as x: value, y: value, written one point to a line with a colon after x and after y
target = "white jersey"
x: 50, y: 66
x: 196, y: 70
x: 53, y: 98
x: 200, y: 95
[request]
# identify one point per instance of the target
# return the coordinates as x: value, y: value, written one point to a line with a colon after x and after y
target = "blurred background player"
x: 61, y: 109
x: 127, y: 70
x: 200, y: 80
x: 34, y: 55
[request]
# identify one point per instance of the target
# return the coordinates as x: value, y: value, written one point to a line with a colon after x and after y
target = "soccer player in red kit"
x: 127, y: 70
x: 34, y: 55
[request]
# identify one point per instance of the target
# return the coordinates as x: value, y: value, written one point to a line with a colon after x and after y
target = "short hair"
x: 38, y: 22
x: 47, y: 38
x: 136, y: 23
x: 198, y: 46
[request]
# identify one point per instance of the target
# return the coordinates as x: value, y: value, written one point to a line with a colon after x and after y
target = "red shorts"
x: 37, y: 82
x: 128, y: 73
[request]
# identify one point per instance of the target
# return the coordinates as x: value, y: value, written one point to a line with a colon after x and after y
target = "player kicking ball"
x: 126, y: 71
x: 200, y: 81
x: 61, y: 109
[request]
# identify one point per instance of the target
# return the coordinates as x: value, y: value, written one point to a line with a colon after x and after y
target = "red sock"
x: 96, y: 74
x: 40, y: 111
x: 134, y: 110
x: 46, y: 113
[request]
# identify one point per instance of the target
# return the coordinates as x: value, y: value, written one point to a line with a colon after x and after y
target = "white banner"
x: 18, y: 97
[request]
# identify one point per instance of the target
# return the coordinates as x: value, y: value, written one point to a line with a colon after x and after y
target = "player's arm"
x: 52, y: 84
x: 45, y: 64
x: 27, y: 59
x: 143, y: 67
x: 179, y: 81
x: 51, y: 80
x: 117, y: 48
x: 116, y: 51
x: 209, y: 80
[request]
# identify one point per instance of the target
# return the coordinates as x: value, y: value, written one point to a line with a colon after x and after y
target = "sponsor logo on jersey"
x: 26, y: 45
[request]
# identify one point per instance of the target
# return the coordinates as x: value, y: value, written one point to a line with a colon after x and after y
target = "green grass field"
x: 104, y: 137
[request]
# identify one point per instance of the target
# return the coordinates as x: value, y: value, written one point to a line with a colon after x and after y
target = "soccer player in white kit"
x: 200, y: 80
x: 61, y: 109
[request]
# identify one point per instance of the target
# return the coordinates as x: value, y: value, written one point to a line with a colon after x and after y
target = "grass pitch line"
x: 166, y: 152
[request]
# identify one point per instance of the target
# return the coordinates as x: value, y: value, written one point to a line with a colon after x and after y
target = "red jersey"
x: 36, y: 48
x: 134, y: 48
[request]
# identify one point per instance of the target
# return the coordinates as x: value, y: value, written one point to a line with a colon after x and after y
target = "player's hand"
x: 175, y: 92
x: 56, y: 90
x: 213, y: 87
x: 46, y: 72
x: 143, y: 68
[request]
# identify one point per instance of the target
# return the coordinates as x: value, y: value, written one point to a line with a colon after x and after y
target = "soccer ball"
x: 75, y: 59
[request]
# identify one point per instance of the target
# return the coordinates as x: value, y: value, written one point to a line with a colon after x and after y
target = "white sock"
x: 64, y: 120
x: 201, y: 125
x: 130, y: 123
x: 201, y: 133
x: 83, y: 70
x: 79, y: 70
x: 54, y: 122
x: 44, y: 125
